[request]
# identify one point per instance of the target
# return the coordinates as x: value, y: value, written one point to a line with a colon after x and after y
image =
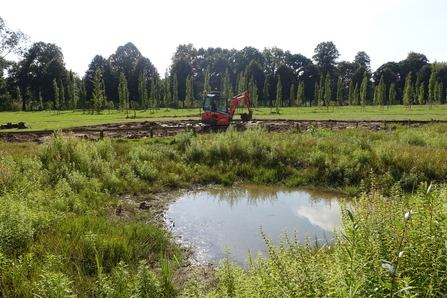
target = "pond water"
x: 212, y: 219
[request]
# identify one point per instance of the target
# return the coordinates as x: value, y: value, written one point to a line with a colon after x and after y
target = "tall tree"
x: 123, y: 94
x: 421, y: 93
x: 265, y: 92
x: 11, y: 41
x: 207, y: 83
x: 382, y: 92
x: 408, y: 91
x: 362, y: 59
x: 99, y: 97
x: 364, y: 91
x: 321, y: 92
x: 292, y: 95
x: 278, y: 94
x: 327, y: 90
x: 326, y: 55
x: 155, y: 94
x: 241, y: 83
x: 182, y: 69
x: 392, y: 94
x: 300, y: 99
x: 227, y: 89
x: 57, y: 103
x: 167, y: 95
x: 253, y: 91
x: 432, y: 84
x: 142, y: 92
x: 111, y: 80
x: 175, y: 98
x: 351, y: 94
x: 340, y: 92
x: 189, y: 100
x: 62, y: 94
x: 72, y: 91
x: 41, y: 64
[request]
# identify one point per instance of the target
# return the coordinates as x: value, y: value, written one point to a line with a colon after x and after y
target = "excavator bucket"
x: 246, y: 117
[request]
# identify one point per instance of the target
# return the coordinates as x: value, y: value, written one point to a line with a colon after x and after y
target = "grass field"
x: 66, y: 119
x: 72, y: 225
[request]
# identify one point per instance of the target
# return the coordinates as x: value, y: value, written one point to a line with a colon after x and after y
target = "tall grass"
x: 386, y: 247
x: 68, y: 218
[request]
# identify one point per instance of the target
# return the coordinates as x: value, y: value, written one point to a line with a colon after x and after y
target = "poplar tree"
x: 421, y: 93
x: 56, y: 96
x: 123, y: 93
x: 376, y: 95
x: 62, y: 95
x: 253, y: 91
x: 351, y: 94
x: 189, y: 92
x: 142, y: 91
x: 82, y: 93
x: 316, y: 94
x: 98, y: 91
x: 321, y: 92
x: 266, y: 92
x: 392, y: 94
x: 226, y: 86
x: 408, y: 91
x: 382, y: 92
x: 432, y: 86
x: 292, y: 95
x: 439, y: 92
x: 340, y: 92
x: 278, y: 94
x: 175, y: 97
x: 241, y: 83
x: 207, y: 84
x: 155, y: 95
x: 356, y: 95
x: 300, y: 94
x: 327, y: 91
x: 167, y: 92
x: 73, y: 96
x: 364, y: 91
x: 40, y: 100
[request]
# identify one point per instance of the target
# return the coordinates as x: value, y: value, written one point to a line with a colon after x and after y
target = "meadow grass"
x: 50, y: 120
x: 70, y: 223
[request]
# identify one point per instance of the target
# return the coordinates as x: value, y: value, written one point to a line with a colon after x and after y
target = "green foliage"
x: 59, y: 206
x: 386, y: 247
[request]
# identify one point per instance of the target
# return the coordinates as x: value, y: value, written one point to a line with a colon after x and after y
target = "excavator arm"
x: 238, y: 98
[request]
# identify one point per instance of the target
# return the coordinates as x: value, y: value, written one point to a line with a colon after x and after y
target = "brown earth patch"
x: 147, y: 129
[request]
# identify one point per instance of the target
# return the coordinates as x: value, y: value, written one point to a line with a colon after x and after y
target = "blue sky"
x: 387, y: 30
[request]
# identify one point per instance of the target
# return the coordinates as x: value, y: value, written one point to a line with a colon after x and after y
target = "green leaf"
x: 351, y: 217
x: 349, y: 252
x: 398, y: 224
x: 385, y: 284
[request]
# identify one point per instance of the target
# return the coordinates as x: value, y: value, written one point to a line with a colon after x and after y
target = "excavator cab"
x: 215, y: 109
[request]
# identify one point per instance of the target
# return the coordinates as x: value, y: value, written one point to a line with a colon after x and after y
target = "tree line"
x: 274, y: 77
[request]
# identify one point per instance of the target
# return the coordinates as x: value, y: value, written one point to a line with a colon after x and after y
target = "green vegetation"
x: 66, y: 119
x: 71, y: 223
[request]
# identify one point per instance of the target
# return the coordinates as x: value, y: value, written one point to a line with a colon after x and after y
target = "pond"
x: 212, y: 219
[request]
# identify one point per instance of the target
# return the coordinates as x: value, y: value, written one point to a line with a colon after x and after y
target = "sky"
x: 386, y: 30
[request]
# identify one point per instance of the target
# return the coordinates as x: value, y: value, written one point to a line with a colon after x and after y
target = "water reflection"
x: 212, y: 219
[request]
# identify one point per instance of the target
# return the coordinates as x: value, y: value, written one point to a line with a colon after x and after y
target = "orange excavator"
x: 216, y: 111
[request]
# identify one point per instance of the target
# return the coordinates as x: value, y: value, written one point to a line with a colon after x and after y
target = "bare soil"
x: 146, y: 129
